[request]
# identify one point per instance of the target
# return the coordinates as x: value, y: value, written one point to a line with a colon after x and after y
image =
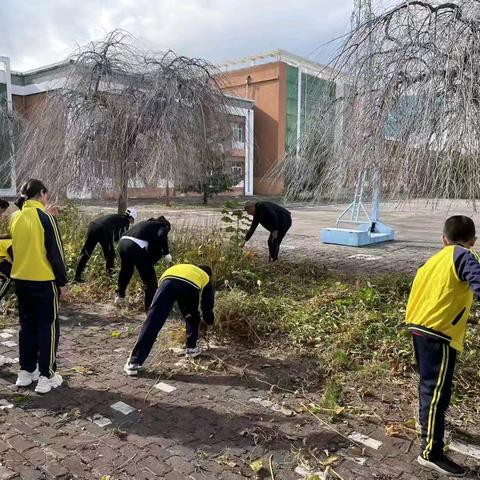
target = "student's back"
x: 437, y: 313
x: 270, y: 213
x: 155, y: 233
x: 440, y: 300
x: 147, y: 230
x: 36, y: 245
x: 111, y: 222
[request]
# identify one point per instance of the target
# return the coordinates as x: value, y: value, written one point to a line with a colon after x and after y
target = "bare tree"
x: 125, y: 115
x: 407, y: 107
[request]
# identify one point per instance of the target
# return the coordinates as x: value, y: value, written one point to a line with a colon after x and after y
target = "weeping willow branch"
x: 407, y: 103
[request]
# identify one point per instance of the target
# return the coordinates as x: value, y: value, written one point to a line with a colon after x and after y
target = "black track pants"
x: 39, y: 328
x: 274, y: 244
x: 436, y: 365
x: 169, y: 292
x: 95, y: 237
x: 133, y: 256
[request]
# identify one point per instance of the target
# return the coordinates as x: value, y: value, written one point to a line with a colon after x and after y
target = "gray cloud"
x: 36, y: 33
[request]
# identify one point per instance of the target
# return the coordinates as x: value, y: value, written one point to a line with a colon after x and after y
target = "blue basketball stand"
x: 360, y: 228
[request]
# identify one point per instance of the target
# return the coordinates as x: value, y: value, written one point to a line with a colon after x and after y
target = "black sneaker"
x: 443, y: 465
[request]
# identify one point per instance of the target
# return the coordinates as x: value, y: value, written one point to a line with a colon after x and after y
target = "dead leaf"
x: 257, y: 465
x: 339, y: 410
x: 330, y: 461
x: 411, y: 423
x: 394, y: 430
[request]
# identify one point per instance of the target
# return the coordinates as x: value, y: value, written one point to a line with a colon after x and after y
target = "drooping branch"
x: 126, y: 115
x: 407, y: 103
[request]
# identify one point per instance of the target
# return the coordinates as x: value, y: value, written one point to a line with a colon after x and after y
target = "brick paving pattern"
x: 208, y: 427
x: 398, y: 257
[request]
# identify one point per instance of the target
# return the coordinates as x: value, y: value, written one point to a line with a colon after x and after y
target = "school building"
x: 271, y: 98
x: 21, y: 92
x: 286, y: 89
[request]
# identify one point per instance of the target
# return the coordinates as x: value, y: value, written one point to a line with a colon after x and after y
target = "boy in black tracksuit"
x: 437, y: 312
x: 274, y: 218
x: 191, y: 287
x: 106, y: 231
x: 142, y: 247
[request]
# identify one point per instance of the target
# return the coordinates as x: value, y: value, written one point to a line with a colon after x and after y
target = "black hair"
x: 459, y: 229
x: 30, y: 189
x: 163, y: 221
x: 3, y: 204
x: 206, y: 269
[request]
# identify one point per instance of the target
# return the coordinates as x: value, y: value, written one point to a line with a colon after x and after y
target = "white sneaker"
x: 25, y: 378
x: 193, y: 352
x: 131, y: 369
x: 45, y: 384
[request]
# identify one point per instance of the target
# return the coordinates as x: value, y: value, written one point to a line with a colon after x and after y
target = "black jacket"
x: 270, y: 216
x: 155, y: 233
x: 113, y: 226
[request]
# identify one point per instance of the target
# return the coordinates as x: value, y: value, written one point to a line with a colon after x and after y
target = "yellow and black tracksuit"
x: 437, y: 313
x: 191, y: 288
x: 5, y: 266
x: 38, y: 270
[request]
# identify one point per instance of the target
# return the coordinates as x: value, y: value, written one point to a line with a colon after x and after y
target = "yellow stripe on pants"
x: 53, y: 329
x: 436, y: 398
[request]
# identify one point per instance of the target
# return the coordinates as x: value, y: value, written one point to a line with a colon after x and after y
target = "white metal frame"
x: 247, y: 113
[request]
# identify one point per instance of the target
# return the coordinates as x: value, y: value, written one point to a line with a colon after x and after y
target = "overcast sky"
x: 34, y: 33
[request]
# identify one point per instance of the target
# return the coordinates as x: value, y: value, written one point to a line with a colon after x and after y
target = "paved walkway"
x: 207, y: 419
x: 418, y: 232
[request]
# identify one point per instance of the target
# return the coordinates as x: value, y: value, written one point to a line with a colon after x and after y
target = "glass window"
x: 238, y: 133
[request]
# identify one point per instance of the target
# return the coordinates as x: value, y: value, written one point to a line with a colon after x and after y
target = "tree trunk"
x: 123, y: 189
x: 167, y: 195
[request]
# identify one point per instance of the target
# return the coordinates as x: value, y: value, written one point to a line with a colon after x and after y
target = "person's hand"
x: 242, y: 244
x: 274, y: 234
x: 169, y: 258
x: 52, y: 210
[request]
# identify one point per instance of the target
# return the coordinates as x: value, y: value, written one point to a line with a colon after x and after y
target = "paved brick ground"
x: 398, y: 257
x: 208, y: 427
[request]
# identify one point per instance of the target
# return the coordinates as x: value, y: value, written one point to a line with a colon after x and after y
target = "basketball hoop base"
x: 360, y: 236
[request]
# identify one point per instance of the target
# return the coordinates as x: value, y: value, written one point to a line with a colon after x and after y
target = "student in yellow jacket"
x: 437, y: 313
x: 191, y: 287
x: 40, y: 278
x: 5, y: 266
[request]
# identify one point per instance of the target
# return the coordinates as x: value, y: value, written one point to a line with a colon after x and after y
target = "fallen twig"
x: 330, y: 427
x: 270, y: 466
x: 124, y: 464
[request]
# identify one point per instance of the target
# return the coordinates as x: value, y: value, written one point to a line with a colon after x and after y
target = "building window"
x: 238, y: 131
x: 237, y: 172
